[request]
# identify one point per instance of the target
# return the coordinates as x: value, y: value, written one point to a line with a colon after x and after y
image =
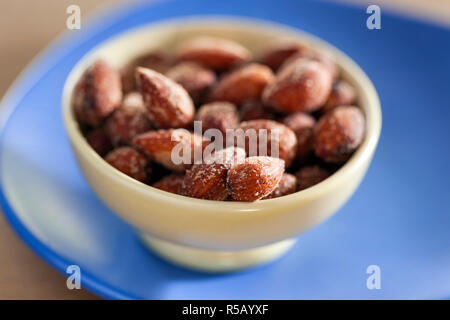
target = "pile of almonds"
x: 131, y: 116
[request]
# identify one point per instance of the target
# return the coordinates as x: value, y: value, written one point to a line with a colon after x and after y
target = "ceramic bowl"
x: 211, y: 235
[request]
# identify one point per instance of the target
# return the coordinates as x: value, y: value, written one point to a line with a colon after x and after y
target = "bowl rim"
x: 365, y: 89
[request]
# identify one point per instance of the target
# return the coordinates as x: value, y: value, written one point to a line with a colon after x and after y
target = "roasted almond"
x: 97, y: 93
x: 158, y: 146
x: 342, y: 94
x: 255, y: 178
x: 339, y: 133
x: 129, y: 120
x: 227, y: 156
x: 206, y: 181
x: 255, y: 110
x: 131, y: 162
x: 302, y: 124
x: 168, y: 104
x: 171, y: 183
x: 303, y: 85
x: 244, y: 84
x: 268, y: 132
x: 98, y: 139
x: 193, y: 77
x: 324, y: 58
x: 276, y: 56
x: 218, y: 115
x: 287, y: 185
x: 156, y: 60
x: 309, y: 176
x: 214, y: 53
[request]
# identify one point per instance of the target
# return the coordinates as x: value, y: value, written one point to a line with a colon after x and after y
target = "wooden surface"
x: 25, y: 28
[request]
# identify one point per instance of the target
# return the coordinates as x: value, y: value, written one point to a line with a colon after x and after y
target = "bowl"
x: 210, y: 235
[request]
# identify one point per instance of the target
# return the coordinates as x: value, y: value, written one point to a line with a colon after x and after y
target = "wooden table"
x: 25, y: 28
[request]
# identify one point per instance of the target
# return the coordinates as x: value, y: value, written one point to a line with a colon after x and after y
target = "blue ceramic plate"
x: 399, y: 219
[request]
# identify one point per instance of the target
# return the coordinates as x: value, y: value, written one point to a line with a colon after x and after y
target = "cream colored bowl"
x: 211, y: 235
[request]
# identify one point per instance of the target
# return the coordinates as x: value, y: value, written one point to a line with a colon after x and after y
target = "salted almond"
x: 171, y: 183
x: 287, y: 185
x: 255, y: 110
x: 244, y: 84
x: 99, y: 140
x: 255, y: 178
x: 275, y: 132
x: 309, y: 176
x: 206, y: 181
x: 131, y: 162
x: 342, y: 94
x: 323, y: 58
x: 97, y: 93
x: 303, y: 85
x: 158, y: 146
x: 158, y: 61
x: 219, y: 115
x: 303, y: 125
x: 193, y: 77
x: 129, y: 120
x: 227, y: 156
x: 339, y: 133
x: 214, y: 53
x: 277, y: 55
x: 168, y: 104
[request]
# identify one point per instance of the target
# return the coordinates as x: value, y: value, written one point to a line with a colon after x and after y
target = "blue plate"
x: 399, y: 219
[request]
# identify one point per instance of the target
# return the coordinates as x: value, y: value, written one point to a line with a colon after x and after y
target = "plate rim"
x: 57, y: 261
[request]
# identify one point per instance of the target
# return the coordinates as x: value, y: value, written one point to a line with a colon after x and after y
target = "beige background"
x: 25, y: 28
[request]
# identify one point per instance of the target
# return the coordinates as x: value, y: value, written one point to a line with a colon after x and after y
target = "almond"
x: 97, y: 93
x: 156, y: 60
x: 131, y: 162
x: 329, y: 64
x: 299, y: 120
x: 168, y: 104
x: 285, y: 137
x: 218, y: 115
x: 214, y: 53
x: 287, y: 185
x: 127, y: 78
x: 338, y: 134
x: 206, y: 181
x: 324, y: 58
x: 342, y: 94
x: 193, y: 77
x: 171, y: 183
x: 129, y: 120
x: 158, y: 146
x: 309, y: 176
x: 277, y: 55
x: 255, y: 110
x: 244, y: 84
x: 228, y: 156
x: 302, y: 124
x: 255, y: 178
x: 303, y: 85
x: 99, y: 141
